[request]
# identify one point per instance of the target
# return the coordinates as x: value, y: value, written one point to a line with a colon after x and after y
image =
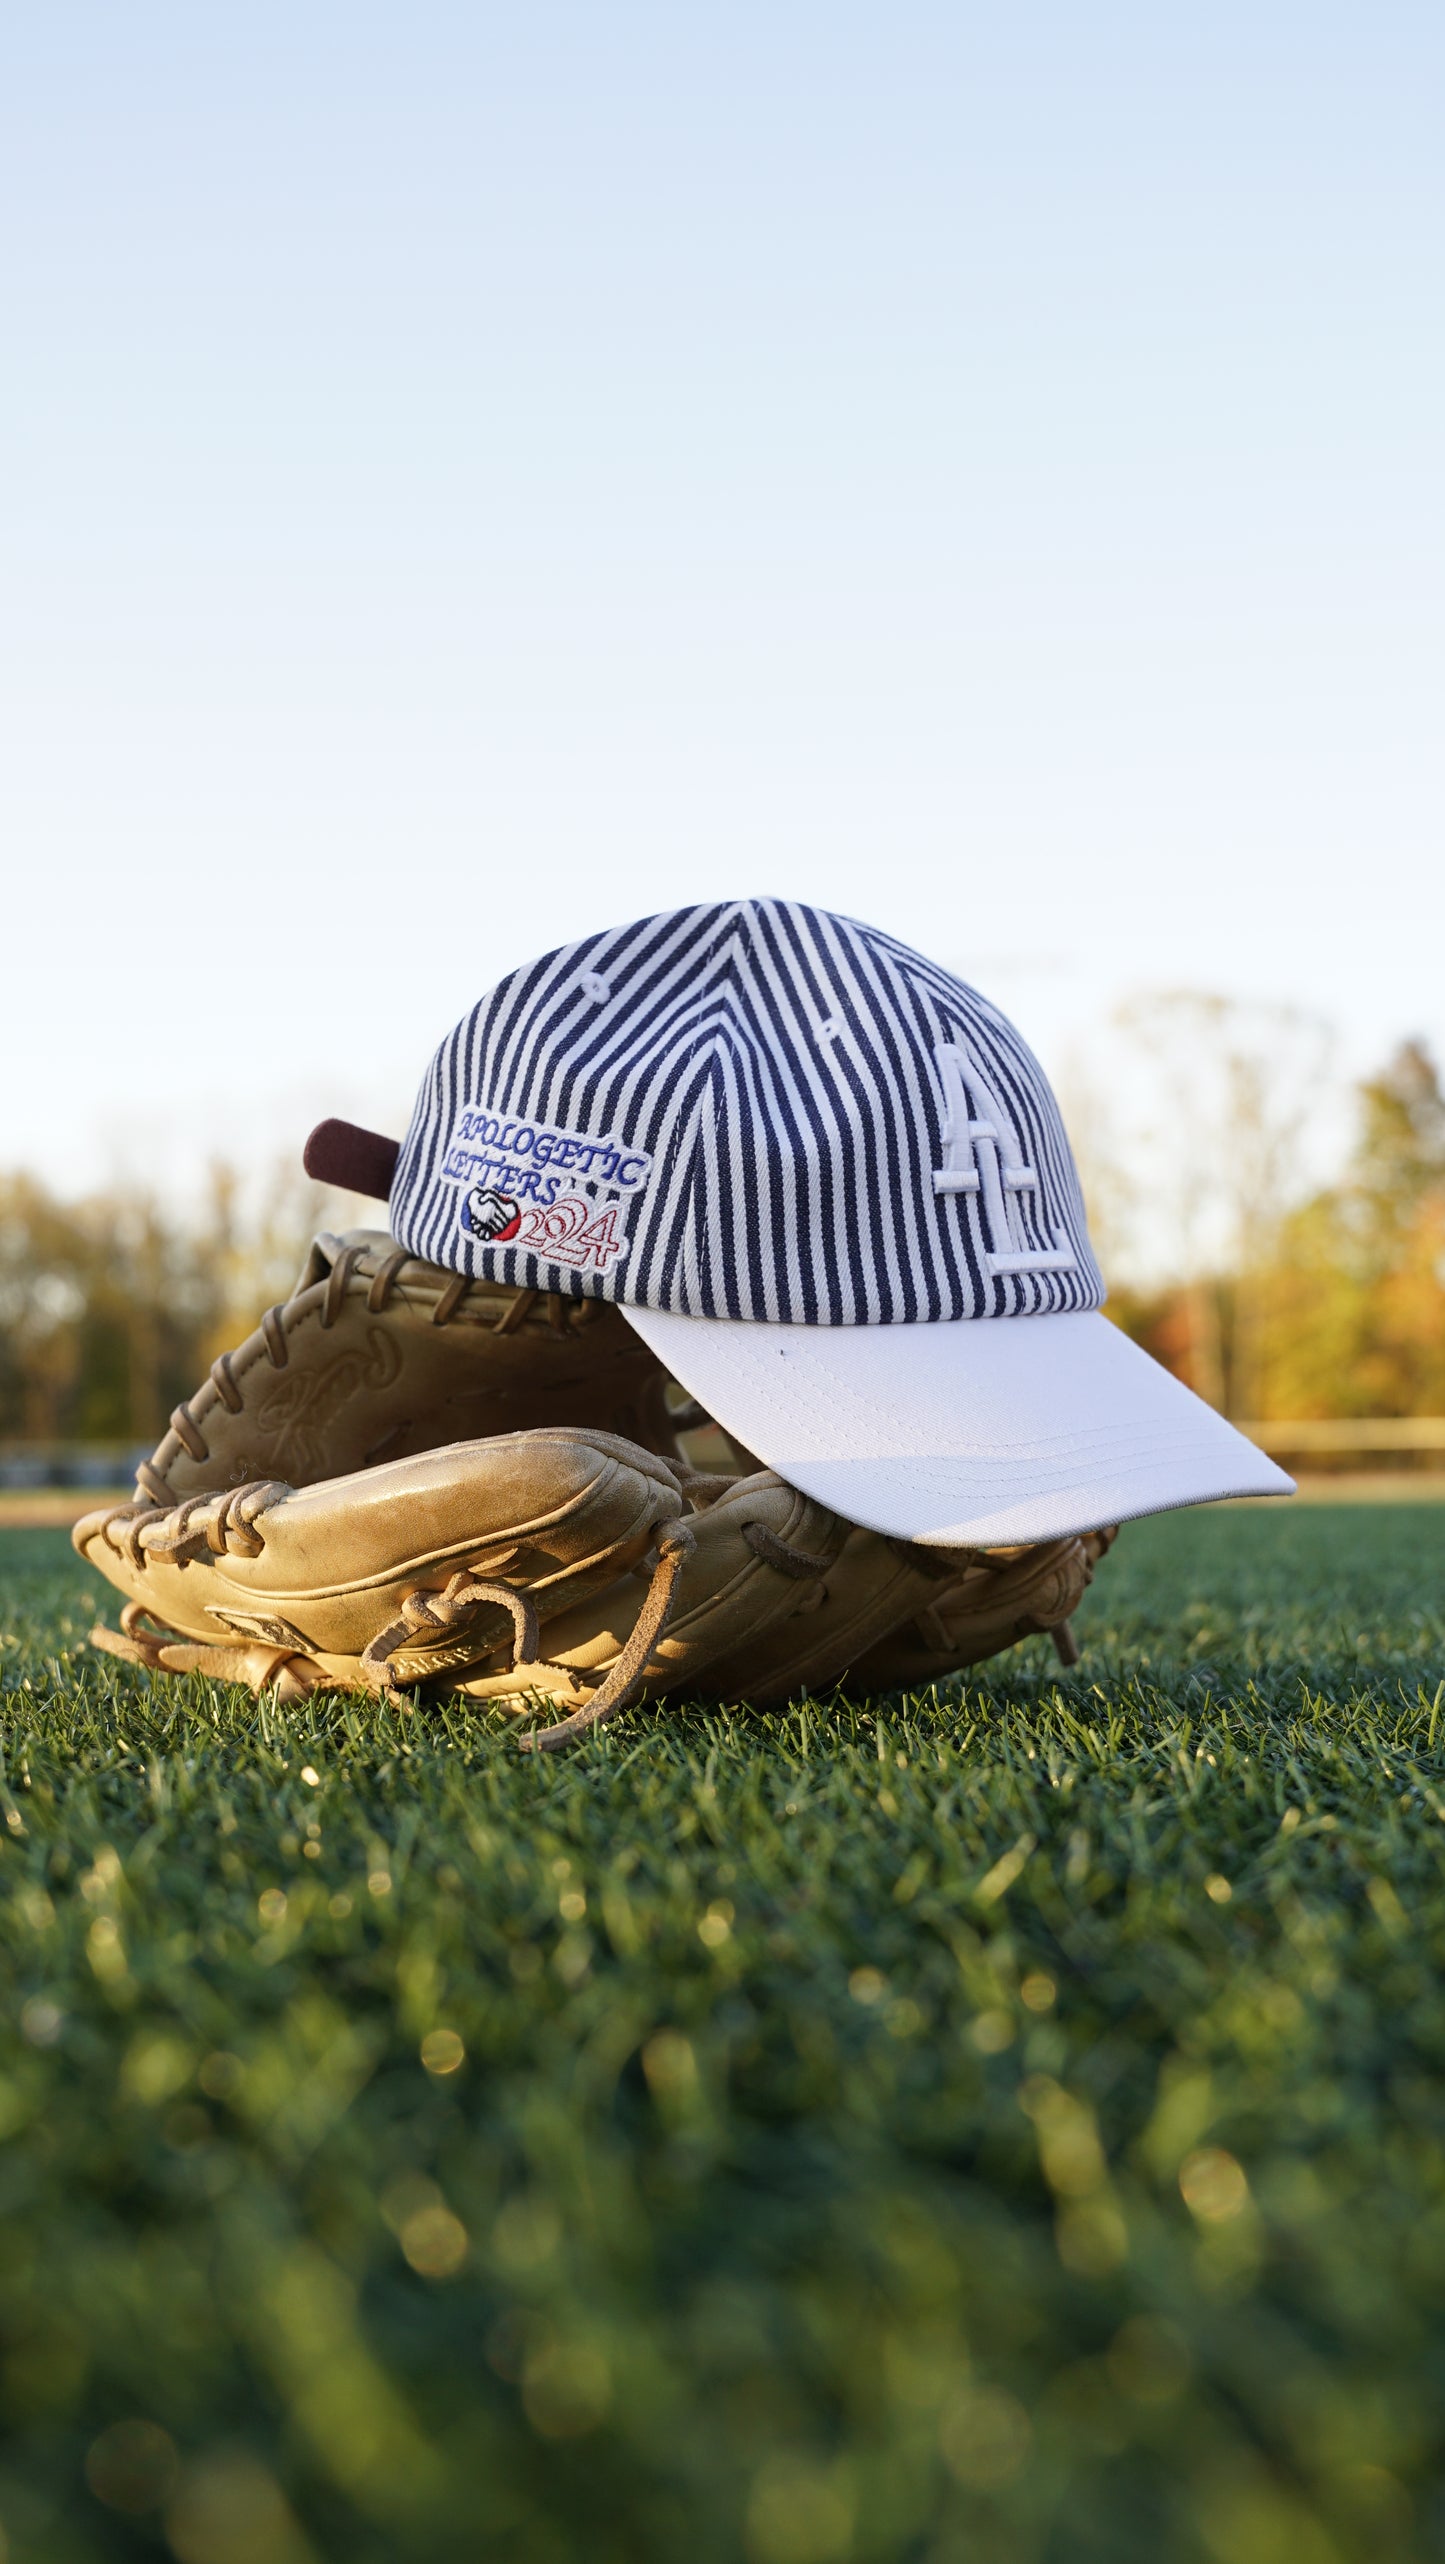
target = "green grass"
x: 1008, y: 2127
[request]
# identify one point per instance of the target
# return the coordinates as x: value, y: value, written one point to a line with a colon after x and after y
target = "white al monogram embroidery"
x: 982, y: 1154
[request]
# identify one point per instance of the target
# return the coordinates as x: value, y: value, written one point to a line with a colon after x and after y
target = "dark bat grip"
x: 356, y: 1161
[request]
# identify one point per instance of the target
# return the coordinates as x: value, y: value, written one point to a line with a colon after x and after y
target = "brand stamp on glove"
x: 563, y: 1195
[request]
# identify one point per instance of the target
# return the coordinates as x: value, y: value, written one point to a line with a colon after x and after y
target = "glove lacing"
x: 427, y: 1618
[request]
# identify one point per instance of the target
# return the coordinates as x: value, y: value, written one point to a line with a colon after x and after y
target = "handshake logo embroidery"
x: 491, y: 1215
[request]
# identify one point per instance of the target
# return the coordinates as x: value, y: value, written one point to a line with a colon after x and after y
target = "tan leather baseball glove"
x: 406, y: 1480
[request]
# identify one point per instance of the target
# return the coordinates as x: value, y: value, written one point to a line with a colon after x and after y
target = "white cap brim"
x: 966, y: 1432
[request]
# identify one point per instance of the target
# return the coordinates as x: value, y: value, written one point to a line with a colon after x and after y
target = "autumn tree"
x: 1354, y: 1319
x: 111, y: 1308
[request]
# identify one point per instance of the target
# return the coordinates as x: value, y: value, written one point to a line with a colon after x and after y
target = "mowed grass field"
x: 1000, y: 2125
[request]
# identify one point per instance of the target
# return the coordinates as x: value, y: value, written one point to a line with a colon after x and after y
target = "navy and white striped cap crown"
x: 755, y: 1110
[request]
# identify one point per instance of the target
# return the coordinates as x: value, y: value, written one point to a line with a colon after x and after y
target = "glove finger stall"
x: 999, y: 1599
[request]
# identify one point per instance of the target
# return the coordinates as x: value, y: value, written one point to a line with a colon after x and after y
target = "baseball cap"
x: 829, y: 1184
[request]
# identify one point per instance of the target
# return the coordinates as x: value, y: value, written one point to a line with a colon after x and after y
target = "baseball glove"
x: 404, y: 1479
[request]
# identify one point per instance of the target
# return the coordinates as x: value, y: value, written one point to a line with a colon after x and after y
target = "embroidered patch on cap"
x: 564, y: 1194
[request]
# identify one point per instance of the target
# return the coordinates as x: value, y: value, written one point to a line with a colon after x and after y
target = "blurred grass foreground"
x: 1007, y: 2126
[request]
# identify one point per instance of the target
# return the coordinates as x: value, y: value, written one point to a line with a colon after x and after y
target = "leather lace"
x: 219, y: 1525
x: 798, y: 1563
x: 427, y: 1619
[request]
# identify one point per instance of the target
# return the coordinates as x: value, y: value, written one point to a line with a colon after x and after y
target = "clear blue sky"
x: 473, y: 473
